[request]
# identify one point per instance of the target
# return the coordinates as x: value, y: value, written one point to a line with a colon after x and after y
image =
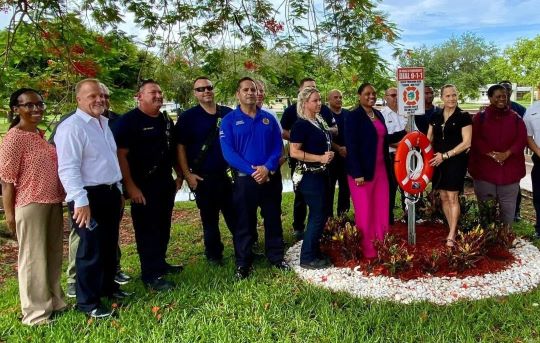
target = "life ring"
x: 406, y: 100
x: 413, y: 180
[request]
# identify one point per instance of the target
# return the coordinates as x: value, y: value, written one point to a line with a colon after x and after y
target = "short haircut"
x: 200, y: 78
x: 105, y: 88
x: 245, y: 78
x: 386, y: 91
x: 363, y: 86
x: 492, y: 89
x: 81, y: 83
x: 146, y: 82
x: 304, y: 80
x: 507, y: 85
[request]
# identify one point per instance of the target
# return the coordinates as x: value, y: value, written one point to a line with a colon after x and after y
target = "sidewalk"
x: 526, y: 183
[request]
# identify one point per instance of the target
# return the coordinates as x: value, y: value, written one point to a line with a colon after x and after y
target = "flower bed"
x: 520, y: 275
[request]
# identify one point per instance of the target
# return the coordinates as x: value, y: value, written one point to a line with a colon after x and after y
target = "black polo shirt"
x: 150, y: 143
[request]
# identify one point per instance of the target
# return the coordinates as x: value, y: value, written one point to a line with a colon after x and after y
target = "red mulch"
x: 429, y: 237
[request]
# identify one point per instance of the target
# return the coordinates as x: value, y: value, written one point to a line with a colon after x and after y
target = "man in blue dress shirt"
x: 251, y: 144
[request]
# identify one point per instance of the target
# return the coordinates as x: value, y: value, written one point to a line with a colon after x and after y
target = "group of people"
x: 230, y: 159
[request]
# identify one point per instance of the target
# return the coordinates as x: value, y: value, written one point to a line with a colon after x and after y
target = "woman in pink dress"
x: 368, y: 164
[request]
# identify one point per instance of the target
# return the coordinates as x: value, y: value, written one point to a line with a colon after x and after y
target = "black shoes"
x: 242, y: 273
x: 99, y: 312
x: 318, y: 263
x: 215, y: 261
x: 159, y: 285
x: 71, y: 291
x: 298, y: 235
x: 282, y: 265
x: 120, y: 294
x: 173, y: 269
x: 122, y: 278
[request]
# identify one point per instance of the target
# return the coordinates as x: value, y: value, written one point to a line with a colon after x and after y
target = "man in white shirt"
x: 532, y: 122
x: 90, y: 173
x: 396, y: 126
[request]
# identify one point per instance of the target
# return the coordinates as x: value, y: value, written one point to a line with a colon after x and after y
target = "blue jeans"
x: 314, y: 188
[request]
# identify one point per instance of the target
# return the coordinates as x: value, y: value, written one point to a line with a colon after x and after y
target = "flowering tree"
x: 183, y: 34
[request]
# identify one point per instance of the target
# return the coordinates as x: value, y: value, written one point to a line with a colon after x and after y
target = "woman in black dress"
x: 450, y: 132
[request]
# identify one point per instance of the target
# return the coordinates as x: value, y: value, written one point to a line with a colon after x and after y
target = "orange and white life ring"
x: 413, y: 179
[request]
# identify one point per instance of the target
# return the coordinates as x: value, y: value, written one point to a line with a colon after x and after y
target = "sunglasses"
x: 31, y: 106
x: 392, y: 95
x: 202, y: 89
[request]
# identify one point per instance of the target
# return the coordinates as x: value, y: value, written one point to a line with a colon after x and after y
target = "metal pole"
x: 411, y: 213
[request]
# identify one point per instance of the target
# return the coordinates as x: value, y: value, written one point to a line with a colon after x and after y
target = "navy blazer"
x: 361, y: 142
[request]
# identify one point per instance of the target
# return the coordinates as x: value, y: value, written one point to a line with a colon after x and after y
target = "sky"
x: 432, y: 22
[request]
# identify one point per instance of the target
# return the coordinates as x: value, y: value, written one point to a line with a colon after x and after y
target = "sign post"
x: 411, y: 103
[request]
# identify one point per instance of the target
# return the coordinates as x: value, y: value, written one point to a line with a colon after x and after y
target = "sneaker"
x: 99, y: 312
x: 317, y: 263
x: 298, y: 235
x: 282, y: 265
x: 120, y: 294
x: 242, y: 272
x: 122, y: 278
x: 71, y: 291
x: 173, y: 269
x: 159, y: 285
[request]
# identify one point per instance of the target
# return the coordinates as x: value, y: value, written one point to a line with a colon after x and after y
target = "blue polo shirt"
x: 192, y: 130
x: 247, y: 142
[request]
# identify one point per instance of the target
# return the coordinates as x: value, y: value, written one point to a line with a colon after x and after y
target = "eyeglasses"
x: 31, y: 106
x: 202, y: 89
x: 392, y: 95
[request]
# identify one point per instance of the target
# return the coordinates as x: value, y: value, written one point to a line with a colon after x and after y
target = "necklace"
x: 371, y: 115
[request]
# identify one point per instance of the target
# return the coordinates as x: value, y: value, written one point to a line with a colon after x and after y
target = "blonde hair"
x: 303, y: 97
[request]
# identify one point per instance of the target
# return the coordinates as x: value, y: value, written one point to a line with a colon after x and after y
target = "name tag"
x: 239, y: 122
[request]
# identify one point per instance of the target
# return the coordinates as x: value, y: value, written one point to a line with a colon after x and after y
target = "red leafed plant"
x: 468, y: 249
x: 273, y: 26
x: 392, y: 253
x: 342, y: 236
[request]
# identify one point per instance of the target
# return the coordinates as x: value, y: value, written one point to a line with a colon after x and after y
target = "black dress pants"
x: 97, y: 251
x: 214, y: 194
x: 248, y: 195
x: 338, y: 174
x: 152, y: 224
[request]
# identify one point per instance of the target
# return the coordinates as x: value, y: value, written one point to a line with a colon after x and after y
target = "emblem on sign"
x: 411, y: 95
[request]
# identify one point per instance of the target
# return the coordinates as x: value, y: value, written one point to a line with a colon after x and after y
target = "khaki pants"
x: 39, y: 233
x: 72, y: 253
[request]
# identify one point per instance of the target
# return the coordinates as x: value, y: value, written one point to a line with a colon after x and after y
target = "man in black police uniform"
x: 422, y: 121
x: 203, y: 166
x: 146, y: 153
x: 337, y: 166
x: 287, y: 121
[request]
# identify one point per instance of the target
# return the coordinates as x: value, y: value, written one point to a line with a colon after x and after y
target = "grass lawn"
x: 209, y: 305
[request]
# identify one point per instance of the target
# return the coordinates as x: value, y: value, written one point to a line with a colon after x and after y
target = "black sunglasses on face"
x: 202, y: 89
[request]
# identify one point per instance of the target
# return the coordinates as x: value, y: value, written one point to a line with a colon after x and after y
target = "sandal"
x: 450, y: 242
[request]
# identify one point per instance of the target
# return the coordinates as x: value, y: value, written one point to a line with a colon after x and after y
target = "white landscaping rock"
x: 521, y: 276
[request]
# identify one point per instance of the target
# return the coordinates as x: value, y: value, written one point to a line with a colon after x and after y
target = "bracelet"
x: 445, y: 156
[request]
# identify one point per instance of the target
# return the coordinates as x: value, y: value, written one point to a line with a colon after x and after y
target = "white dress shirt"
x: 394, y: 122
x: 86, y: 155
x: 532, y: 122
